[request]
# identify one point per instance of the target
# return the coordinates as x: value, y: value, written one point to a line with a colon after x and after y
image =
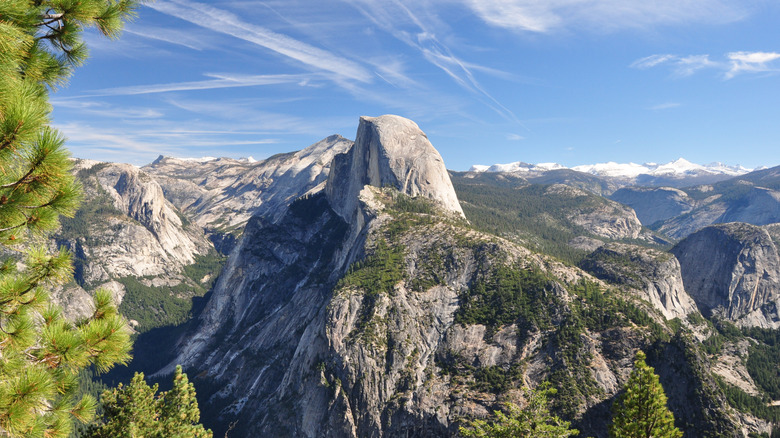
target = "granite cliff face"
x: 654, y: 204
x: 753, y: 198
x: 365, y: 311
x: 606, y: 219
x: 653, y: 275
x: 222, y: 194
x: 389, y: 151
x: 733, y: 271
x: 127, y: 227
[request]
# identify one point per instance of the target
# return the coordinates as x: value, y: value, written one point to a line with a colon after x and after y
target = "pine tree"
x: 641, y: 410
x: 136, y: 411
x: 533, y: 421
x: 40, y: 351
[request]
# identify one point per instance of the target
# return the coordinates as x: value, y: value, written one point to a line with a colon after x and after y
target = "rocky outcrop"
x: 222, y: 194
x: 126, y: 227
x: 653, y: 275
x: 390, y: 151
x: 737, y: 201
x: 654, y: 204
x: 140, y: 197
x: 733, y: 271
x: 596, y: 215
x: 349, y: 318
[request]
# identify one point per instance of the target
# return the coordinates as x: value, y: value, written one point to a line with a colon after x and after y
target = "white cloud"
x: 514, y: 137
x: 750, y: 62
x: 221, y: 80
x: 664, y: 106
x: 681, y: 65
x: 602, y: 15
x: 102, y: 109
x: 171, y: 36
x: 227, y: 23
x: 733, y: 64
x: 413, y: 24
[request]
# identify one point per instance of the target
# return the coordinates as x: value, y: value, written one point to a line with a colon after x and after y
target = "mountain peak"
x: 676, y: 169
x: 389, y: 150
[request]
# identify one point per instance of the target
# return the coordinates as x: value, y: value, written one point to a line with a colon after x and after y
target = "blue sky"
x: 489, y: 81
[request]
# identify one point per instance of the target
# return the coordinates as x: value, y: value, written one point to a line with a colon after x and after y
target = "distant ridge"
x: 677, y: 168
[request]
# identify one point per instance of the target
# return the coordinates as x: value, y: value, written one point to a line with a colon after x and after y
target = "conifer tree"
x: 534, y: 421
x: 40, y: 351
x: 136, y: 411
x: 641, y: 410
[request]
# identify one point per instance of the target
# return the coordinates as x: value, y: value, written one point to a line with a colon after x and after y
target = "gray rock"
x: 733, y: 271
x: 390, y: 151
x: 653, y: 275
x: 654, y: 204
x: 223, y: 194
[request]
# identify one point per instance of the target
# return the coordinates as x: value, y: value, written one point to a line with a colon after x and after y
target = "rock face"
x: 733, y: 271
x: 731, y: 201
x: 222, y: 194
x: 350, y: 317
x: 390, y: 150
x: 654, y: 204
x: 654, y: 275
x: 605, y: 218
x: 126, y: 227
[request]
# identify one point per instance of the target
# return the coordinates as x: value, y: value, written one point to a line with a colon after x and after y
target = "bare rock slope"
x: 390, y: 151
x: 654, y: 275
x: 222, y: 194
x: 365, y: 311
x: 733, y: 270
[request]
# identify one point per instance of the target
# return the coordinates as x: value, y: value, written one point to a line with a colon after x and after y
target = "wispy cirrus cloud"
x: 731, y: 65
x: 544, y: 16
x: 103, y: 109
x: 664, y: 106
x: 171, y: 36
x: 751, y: 62
x: 413, y: 26
x: 220, y: 80
x: 680, y: 65
x: 228, y: 23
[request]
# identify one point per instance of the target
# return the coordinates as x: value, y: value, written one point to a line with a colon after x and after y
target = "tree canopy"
x: 641, y: 412
x: 41, y: 351
x: 534, y: 421
x: 136, y: 410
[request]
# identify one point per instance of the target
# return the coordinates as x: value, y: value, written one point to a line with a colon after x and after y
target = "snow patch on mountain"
x: 680, y: 167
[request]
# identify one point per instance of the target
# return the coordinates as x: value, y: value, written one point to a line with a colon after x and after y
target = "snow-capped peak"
x: 677, y: 168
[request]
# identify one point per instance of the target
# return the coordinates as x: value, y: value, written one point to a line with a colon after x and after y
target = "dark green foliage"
x: 745, y: 402
x: 159, y: 306
x: 533, y: 421
x: 603, y: 309
x: 526, y: 213
x: 89, y: 384
x: 378, y: 272
x: 205, y: 269
x: 507, y: 295
x: 497, y: 379
x: 408, y: 204
x: 725, y: 332
x: 136, y: 410
x: 763, y: 362
x: 640, y: 411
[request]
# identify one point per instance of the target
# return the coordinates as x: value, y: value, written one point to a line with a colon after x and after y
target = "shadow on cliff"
x: 154, y: 349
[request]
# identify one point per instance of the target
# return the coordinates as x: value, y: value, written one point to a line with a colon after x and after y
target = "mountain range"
x: 677, y: 173
x: 358, y: 288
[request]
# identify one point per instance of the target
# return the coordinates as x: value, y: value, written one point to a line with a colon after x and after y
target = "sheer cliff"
x: 372, y: 308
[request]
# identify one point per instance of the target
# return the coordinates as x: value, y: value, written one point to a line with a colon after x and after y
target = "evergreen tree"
x: 641, y: 411
x: 40, y: 351
x: 136, y: 411
x: 532, y: 422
